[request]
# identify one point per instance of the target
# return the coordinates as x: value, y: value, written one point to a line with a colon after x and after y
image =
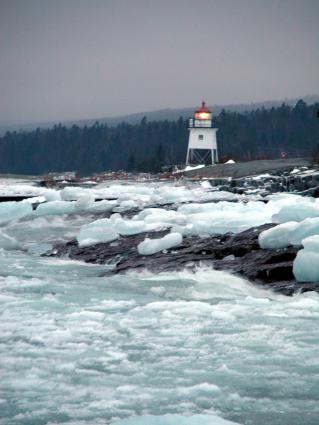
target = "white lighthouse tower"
x: 202, y: 142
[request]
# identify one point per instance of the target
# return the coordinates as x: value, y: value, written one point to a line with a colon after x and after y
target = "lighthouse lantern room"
x: 202, y: 142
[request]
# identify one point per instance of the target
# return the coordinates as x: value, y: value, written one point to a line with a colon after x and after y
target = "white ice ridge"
x: 290, y: 233
x: 174, y: 419
x: 306, y: 264
x: 151, y: 246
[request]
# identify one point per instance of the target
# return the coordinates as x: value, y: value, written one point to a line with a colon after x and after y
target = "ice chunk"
x: 84, y: 203
x: 56, y: 208
x: 108, y: 229
x: 74, y: 193
x: 129, y: 227
x: 174, y: 419
x: 7, y: 242
x: 306, y: 264
x: 97, y: 232
x: 209, y: 219
x: 291, y: 233
x: 160, y: 215
x: 101, y: 206
x: 304, y: 208
x: 52, y: 195
x: 278, y: 236
x: 127, y: 205
x: 205, y: 184
x: 308, y: 227
x: 151, y: 246
x: 14, y: 210
x: 218, y: 195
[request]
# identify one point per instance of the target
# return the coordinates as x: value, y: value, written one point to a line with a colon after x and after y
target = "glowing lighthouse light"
x: 202, y: 142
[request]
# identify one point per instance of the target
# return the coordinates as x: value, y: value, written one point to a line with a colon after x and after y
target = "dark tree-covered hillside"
x: 148, y: 146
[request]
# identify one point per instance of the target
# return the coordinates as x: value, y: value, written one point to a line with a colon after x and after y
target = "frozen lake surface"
x: 181, y: 348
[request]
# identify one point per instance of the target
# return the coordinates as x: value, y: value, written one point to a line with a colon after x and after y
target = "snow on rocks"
x: 306, y: 264
x: 151, y: 246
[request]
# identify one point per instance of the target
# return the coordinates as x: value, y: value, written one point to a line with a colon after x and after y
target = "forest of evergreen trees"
x: 148, y: 146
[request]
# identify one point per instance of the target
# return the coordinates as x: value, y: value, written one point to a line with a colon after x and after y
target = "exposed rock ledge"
x: 239, y: 254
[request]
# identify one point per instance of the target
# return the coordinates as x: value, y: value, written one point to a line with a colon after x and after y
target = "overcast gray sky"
x: 74, y: 59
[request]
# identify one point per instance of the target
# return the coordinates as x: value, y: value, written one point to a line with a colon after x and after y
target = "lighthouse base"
x: 201, y: 156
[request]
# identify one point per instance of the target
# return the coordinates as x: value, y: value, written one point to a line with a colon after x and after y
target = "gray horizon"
x: 82, y: 59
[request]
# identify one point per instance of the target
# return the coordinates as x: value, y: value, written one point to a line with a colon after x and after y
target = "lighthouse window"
x: 200, y: 137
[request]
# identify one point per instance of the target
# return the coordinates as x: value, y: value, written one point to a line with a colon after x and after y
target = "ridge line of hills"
x: 169, y: 114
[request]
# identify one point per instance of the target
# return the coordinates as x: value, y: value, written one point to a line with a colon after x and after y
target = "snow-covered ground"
x: 178, y: 348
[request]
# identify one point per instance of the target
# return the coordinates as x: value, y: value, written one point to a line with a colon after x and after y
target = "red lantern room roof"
x: 203, y: 109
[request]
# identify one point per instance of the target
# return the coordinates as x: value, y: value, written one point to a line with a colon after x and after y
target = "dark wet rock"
x: 239, y: 254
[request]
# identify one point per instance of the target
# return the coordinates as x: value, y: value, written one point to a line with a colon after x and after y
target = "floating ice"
x: 306, y: 264
x: 151, y: 246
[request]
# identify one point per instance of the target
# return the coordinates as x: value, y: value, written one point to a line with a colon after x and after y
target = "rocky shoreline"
x: 239, y: 254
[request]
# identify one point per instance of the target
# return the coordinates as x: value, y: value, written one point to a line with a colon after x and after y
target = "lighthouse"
x: 202, y: 142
